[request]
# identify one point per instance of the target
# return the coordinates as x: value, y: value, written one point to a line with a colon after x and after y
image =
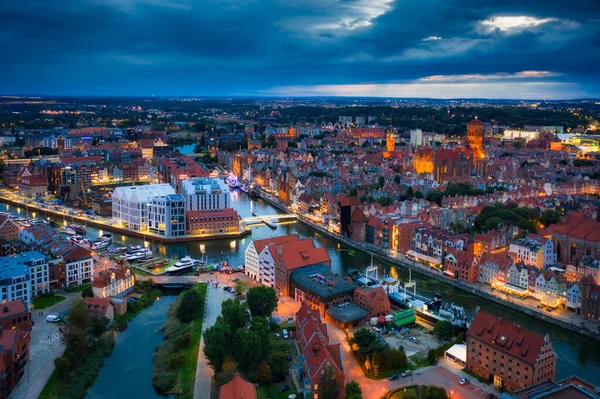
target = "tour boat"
x: 100, y: 244
x: 106, y: 237
x: 70, y: 231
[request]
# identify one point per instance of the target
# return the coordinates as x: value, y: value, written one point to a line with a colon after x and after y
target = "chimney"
x: 279, y: 250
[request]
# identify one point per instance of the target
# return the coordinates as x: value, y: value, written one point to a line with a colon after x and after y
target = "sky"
x: 520, y: 49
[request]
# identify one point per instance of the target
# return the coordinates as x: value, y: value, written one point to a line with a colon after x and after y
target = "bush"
x: 62, y: 365
x: 177, y: 360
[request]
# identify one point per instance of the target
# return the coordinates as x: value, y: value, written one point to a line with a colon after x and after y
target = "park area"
x: 46, y: 301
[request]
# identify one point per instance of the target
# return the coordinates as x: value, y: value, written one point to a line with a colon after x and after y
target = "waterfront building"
x: 32, y: 184
x: 316, y: 352
x: 491, y: 265
x: 590, y: 299
x: 212, y: 221
x: 237, y: 388
x: 113, y: 283
x: 78, y: 266
x: 166, y: 215
x: 374, y: 299
x: 492, y: 242
x: 8, y: 228
x: 259, y: 264
x: 574, y: 297
x: 15, y: 282
x: 293, y: 256
x: 578, y: 238
x: 38, y: 271
x: 346, y: 206
x: 533, y: 250
x: 508, y: 355
x: 205, y: 193
x: 100, y: 307
x: 572, y: 387
x: 461, y: 265
x: 130, y: 204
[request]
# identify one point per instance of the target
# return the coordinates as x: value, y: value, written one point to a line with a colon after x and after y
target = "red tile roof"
x: 359, y: 216
x: 506, y: 336
x: 237, y: 388
x: 12, y: 308
x: 261, y: 244
x: 298, y: 254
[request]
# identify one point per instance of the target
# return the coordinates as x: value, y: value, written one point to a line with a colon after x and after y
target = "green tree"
x: 353, y: 390
x: 435, y: 196
x: 79, y: 315
x: 444, y: 330
x: 247, y: 350
x: 433, y: 392
x: 234, y: 314
x: 260, y: 326
x: 217, y: 341
x: 279, y: 364
x: 329, y: 386
x: 62, y: 365
x: 381, y: 181
x: 418, y: 194
x: 397, y: 179
x: 264, y: 373
x: 190, y: 307
x: 550, y: 216
x: 241, y: 286
x: 262, y: 301
x: 87, y: 292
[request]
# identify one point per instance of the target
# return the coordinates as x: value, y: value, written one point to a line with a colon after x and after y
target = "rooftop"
x: 320, y: 280
x: 347, y: 311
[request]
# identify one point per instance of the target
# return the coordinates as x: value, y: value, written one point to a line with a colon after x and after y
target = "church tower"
x: 475, y: 135
x: 390, y: 139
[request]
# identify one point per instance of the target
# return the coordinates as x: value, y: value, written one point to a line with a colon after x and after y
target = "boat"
x: 270, y: 223
x: 232, y: 181
x: 134, y: 248
x: 118, y: 250
x: 254, y: 193
x: 70, y: 231
x: 253, y: 213
x: 245, y: 188
x: 106, y: 237
x: 100, y: 244
x: 203, y: 260
x: 183, y: 264
x: 78, y: 228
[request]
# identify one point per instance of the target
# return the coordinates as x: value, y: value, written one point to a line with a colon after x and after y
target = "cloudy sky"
x: 546, y: 49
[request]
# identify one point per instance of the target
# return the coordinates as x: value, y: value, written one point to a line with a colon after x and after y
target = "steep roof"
x: 359, y: 216
x: 298, y: 254
x: 237, y: 388
x: 261, y: 244
x: 506, y: 336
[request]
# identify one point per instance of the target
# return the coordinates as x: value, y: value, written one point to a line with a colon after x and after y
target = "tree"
x: 79, y: 315
x: 190, y: 307
x: 217, y: 341
x: 247, y: 350
x: 418, y: 194
x: 62, y: 365
x: 262, y: 301
x: 241, y: 286
x: 264, y: 373
x: 329, y: 385
x: 550, y: 216
x: 78, y: 345
x: 381, y: 181
x: 433, y: 392
x: 87, y: 292
x: 234, y: 314
x: 353, y: 390
x: 397, y: 179
x: 444, y: 330
x: 279, y: 364
x: 260, y: 326
x: 98, y: 325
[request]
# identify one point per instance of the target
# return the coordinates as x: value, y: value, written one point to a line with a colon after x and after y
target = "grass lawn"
x: 140, y: 272
x: 412, y: 392
x: 382, y: 374
x: 45, y: 301
x: 187, y: 375
x: 50, y: 386
x: 270, y: 392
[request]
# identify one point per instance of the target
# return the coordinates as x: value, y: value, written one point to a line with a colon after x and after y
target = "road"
x: 446, y: 374
x: 45, y: 346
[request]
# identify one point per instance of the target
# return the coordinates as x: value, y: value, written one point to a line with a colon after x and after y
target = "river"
x: 127, y: 372
x: 576, y: 354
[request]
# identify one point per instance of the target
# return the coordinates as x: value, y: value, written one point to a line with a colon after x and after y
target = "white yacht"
x: 184, y: 263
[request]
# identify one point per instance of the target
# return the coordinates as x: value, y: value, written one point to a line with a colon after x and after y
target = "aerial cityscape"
x: 342, y: 199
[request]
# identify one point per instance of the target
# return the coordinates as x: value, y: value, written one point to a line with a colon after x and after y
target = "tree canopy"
x: 262, y: 301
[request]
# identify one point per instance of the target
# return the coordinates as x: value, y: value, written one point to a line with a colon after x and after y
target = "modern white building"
x: 205, y: 193
x: 130, y: 204
x: 15, y: 282
x: 79, y: 267
x: 39, y: 271
x: 259, y: 262
x: 416, y: 137
x: 166, y: 215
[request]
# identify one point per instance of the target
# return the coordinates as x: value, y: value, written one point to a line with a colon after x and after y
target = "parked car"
x: 412, y: 339
x: 285, y: 334
x: 63, y: 329
x: 393, y: 377
x: 283, y: 388
x: 288, y: 357
x: 52, y: 318
x: 406, y: 373
x: 464, y: 381
x: 277, y: 335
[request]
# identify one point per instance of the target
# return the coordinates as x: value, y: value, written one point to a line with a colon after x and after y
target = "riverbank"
x: 145, y: 235
x: 175, y: 360
x: 585, y: 327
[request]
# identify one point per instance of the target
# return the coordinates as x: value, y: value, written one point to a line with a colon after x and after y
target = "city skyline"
x: 356, y: 48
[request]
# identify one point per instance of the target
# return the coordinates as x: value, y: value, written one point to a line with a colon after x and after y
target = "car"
x: 464, y: 381
x: 406, y: 373
x: 226, y: 288
x: 277, y: 335
x: 286, y: 335
x: 52, y: 318
x: 412, y: 339
x: 288, y: 357
x: 283, y: 388
x: 393, y: 377
x: 63, y: 329
x: 235, y: 280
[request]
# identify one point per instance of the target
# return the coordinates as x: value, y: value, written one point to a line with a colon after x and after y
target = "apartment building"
x: 205, y: 193
x: 130, y: 204
x: 166, y: 215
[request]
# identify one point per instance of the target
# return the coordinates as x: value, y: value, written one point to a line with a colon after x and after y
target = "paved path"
x: 214, y: 298
x: 45, y: 346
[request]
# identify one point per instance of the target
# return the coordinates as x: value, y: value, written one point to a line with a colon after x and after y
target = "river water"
x: 576, y: 354
x: 127, y: 372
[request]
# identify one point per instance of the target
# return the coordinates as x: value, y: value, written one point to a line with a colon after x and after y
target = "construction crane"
x: 85, y: 201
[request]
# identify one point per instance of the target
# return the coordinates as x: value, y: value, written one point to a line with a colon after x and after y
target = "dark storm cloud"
x: 187, y: 47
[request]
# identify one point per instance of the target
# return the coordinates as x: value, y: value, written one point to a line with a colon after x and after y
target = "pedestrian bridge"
x: 281, y: 218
